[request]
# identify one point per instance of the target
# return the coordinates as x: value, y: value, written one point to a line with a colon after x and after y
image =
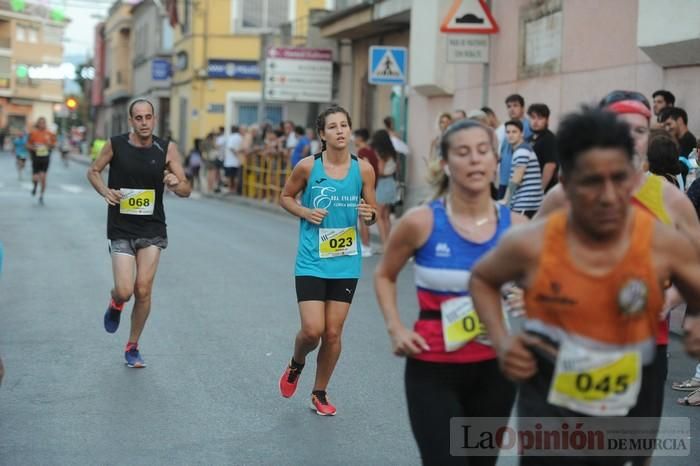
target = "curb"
x: 248, y: 202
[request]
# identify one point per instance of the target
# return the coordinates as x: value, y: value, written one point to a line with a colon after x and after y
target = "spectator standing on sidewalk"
x: 399, y: 146
x: 303, y: 147
x: 444, y: 120
x: 386, y: 184
x: 315, y: 141
x: 193, y: 163
x: 516, y: 111
x: 221, y: 154
x: 524, y: 193
x: 544, y: 143
x: 365, y: 152
x: 232, y: 163
x: 675, y: 121
x: 662, y: 99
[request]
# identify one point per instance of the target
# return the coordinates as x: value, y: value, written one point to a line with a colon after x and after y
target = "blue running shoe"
x: 112, y: 316
x: 133, y: 357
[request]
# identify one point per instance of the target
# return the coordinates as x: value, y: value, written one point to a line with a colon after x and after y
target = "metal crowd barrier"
x: 264, y: 175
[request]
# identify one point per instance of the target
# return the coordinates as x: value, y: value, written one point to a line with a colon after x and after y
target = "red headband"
x: 629, y: 106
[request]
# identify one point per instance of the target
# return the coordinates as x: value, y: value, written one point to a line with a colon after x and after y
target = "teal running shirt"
x: 331, y: 249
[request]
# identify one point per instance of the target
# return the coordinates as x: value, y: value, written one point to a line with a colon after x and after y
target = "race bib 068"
x: 137, y: 201
x: 334, y: 242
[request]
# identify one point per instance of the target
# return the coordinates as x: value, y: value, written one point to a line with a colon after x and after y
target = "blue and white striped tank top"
x: 442, y: 270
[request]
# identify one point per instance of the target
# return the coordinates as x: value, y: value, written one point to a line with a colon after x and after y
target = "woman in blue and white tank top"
x: 336, y: 188
x: 451, y: 369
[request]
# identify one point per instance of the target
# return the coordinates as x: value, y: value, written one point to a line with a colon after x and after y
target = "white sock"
x: 697, y: 372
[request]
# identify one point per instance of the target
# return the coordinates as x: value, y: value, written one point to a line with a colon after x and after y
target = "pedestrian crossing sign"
x: 387, y: 65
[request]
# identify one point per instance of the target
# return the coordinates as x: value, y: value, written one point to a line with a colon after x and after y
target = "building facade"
x: 562, y: 53
x: 97, y: 126
x: 118, y: 73
x: 31, y: 71
x: 216, y: 63
x: 151, y: 60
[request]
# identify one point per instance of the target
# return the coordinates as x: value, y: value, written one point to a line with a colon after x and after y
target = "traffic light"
x: 71, y: 103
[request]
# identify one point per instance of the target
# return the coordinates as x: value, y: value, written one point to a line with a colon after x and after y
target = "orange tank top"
x: 620, y: 308
x: 650, y: 196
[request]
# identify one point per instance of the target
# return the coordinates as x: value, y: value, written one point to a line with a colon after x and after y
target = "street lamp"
x: 71, y: 103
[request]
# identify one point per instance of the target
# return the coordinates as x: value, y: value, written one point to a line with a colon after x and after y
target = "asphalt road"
x: 220, y: 333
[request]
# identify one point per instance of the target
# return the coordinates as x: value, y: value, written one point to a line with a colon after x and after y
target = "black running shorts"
x: 325, y: 289
x: 532, y: 402
x: 40, y: 164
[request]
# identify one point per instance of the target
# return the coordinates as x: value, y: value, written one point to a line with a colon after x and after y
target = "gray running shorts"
x: 130, y: 246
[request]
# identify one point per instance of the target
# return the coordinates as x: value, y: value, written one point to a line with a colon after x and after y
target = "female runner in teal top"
x: 336, y: 188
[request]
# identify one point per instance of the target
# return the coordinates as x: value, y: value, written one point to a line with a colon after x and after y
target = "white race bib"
x: 334, y: 242
x: 137, y: 201
x: 42, y: 150
x: 595, y: 382
x: 460, y: 324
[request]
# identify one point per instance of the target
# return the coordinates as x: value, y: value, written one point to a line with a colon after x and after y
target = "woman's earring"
x: 446, y: 169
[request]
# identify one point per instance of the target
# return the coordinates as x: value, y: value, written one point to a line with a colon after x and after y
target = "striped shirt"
x: 528, y: 196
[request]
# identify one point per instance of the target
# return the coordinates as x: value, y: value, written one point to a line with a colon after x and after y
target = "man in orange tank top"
x: 661, y: 199
x: 40, y: 143
x: 593, y: 277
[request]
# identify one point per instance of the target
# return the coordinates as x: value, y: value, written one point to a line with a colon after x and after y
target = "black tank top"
x: 137, y: 168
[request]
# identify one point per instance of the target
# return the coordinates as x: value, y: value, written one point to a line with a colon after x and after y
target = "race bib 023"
x: 595, y: 382
x: 334, y: 242
x: 137, y: 201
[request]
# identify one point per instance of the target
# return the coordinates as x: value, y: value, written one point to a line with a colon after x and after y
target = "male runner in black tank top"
x: 141, y: 165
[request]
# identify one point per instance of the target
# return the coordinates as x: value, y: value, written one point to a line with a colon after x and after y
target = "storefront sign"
x: 161, y: 70
x: 49, y: 72
x: 233, y: 69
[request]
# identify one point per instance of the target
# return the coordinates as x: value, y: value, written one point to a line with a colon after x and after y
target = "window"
x: 53, y: 34
x: 32, y: 36
x: 5, y: 66
x: 166, y: 36
x: 248, y: 114
x: 141, y: 43
x: 21, y: 33
x: 262, y: 14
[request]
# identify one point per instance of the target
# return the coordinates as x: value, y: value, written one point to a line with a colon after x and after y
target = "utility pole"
x: 264, y: 42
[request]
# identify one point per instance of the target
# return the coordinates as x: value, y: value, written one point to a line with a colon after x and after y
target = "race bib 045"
x: 595, y: 382
x: 334, y: 242
x: 137, y: 201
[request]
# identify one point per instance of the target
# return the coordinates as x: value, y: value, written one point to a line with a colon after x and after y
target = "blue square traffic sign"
x: 387, y: 65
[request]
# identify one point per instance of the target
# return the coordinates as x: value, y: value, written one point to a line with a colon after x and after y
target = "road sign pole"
x: 402, y: 111
x: 485, y: 80
x: 487, y: 72
x: 263, y: 78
